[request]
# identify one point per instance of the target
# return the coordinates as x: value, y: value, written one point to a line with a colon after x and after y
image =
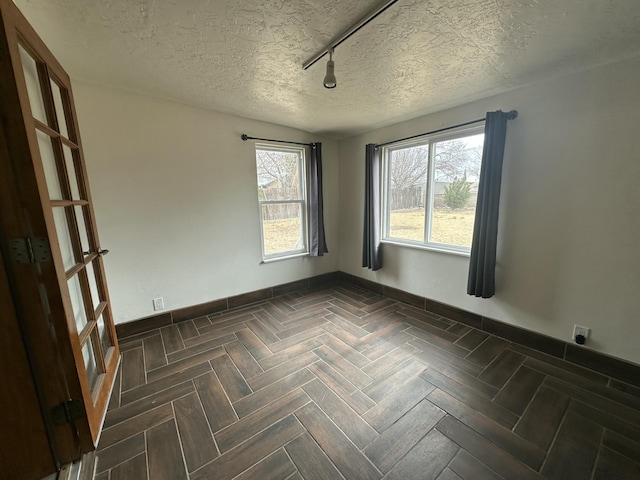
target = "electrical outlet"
x: 158, y: 303
x: 579, y: 330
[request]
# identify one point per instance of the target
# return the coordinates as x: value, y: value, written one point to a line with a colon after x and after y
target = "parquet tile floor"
x: 339, y: 382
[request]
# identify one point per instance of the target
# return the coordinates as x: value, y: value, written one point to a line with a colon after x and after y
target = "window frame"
x: 430, y: 141
x: 303, y: 201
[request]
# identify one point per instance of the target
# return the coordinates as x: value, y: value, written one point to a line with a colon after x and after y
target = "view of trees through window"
x: 433, y: 202
x: 281, y: 195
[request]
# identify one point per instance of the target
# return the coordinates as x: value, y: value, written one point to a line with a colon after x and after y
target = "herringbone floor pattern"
x: 340, y: 382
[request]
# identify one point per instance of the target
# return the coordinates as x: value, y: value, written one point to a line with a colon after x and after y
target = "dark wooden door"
x: 48, y: 216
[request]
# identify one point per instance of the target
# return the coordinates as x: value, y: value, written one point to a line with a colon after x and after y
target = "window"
x: 283, y: 200
x: 430, y: 190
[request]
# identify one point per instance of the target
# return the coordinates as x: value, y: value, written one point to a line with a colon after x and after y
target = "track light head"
x: 330, y: 77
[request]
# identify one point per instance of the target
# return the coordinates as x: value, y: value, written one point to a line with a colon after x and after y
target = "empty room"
x: 305, y: 239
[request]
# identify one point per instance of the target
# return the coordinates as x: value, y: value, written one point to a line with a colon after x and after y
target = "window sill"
x: 431, y: 248
x: 284, y: 257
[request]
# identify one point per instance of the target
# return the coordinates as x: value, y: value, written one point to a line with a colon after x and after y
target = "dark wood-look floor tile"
x: 344, y: 349
x: 183, y: 364
x: 344, y: 454
x: 344, y: 367
x: 460, y: 330
x: 345, y: 303
x: 499, y: 435
x: 574, y: 450
x: 344, y: 324
x: 253, y: 344
x: 348, y: 320
x: 606, y: 419
x: 230, y: 321
x: 133, y: 374
x: 427, y: 459
x: 394, y: 380
x: 272, y: 323
x: 556, y: 367
x: 274, y: 467
x: 518, y: 392
x: 353, y: 426
x: 172, y: 339
x: 487, y: 351
x: 192, y: 350
x: 387, y: 363
x: 139, y: 423
x: 164, y: 453
x: 201, y: 322
x: 397, y: 403
x: 154, y: 387
x: 399, y: 438
x: 612, y: 465
x: 540, y: 421
x: 195, y: 435
x: 188, y: 329
x: 310, y: 460
x: 213, y: 335
x: 243, y: 359
x: 242, y: 457
x: 630, y: 415
x: 260, y: 419
x: 216, y: 404
x: 261, y: 331
x: 428, y: 318
x: 469, y: 397
x: 431, y: 355
x: 272, y: 375
x: 230, y: 377
x: 469, y: 381
x: 105, y: 475
x: 132, y: 343
x: 133, y: 469
x: 622, y: 445
x: 132, y: 409
x: 154, y: 355
x: 295, y: 339
x: 342, y: 387
x: 290, y: 353
x: 491, y: 455
x: 120, y: 452
x: 468, y: 467
x: 448, y: 474
x: 272, y: 392
x: 502, y: 368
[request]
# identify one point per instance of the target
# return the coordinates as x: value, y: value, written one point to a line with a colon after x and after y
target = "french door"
x: 55, y: 241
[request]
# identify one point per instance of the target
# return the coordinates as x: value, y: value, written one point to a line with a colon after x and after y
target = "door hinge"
x: 30, y: 250
x: 67, y: 412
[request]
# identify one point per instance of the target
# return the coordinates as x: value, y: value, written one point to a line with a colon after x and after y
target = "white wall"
x: 569, y: 250
x: 175, y: 197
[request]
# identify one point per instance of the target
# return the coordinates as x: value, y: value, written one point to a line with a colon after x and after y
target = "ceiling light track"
x: 347, y: 33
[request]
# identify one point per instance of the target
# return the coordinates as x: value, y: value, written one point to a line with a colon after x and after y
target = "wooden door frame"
x: 23, y: 215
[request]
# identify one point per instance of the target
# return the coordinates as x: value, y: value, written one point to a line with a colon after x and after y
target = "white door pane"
x: 79, y: 313
x: 62, y: 230
x: 49, y: 166
x: 71, y: 173
x: 93, y: 285
x: 57, y: 101
x: 90, y: 363
x: 33, y: 85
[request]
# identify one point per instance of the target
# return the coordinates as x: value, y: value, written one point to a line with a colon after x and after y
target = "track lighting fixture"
x: 330, y: 78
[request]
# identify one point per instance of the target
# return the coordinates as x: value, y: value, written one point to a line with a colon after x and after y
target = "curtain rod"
x: 246, y: 137
x: 510, y: 115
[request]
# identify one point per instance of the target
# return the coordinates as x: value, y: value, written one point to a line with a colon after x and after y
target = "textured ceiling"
x: 245, y: 57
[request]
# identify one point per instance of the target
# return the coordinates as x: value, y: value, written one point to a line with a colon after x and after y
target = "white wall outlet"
x: 580, y: 330
x: 158, y: 303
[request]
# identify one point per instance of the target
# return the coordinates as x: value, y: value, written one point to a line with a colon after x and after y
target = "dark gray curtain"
x: 318, y: 243
x: 482, y: 265
x: 371, y: 251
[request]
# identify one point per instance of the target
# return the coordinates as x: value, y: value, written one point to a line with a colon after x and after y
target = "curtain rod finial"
x: 244, y: 137
x: 512, y: 114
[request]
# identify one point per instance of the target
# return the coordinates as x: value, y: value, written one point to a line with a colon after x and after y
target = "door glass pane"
x: 57, y: 100
x: 105, y: 338
x: 33, y: 85
x: 71, y: 173
x: 62, y: 230
x: 82, y: 229
x: 93, y: 285
x: 90, y: 363
x: 77, y: 303
x: 49, y: 165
